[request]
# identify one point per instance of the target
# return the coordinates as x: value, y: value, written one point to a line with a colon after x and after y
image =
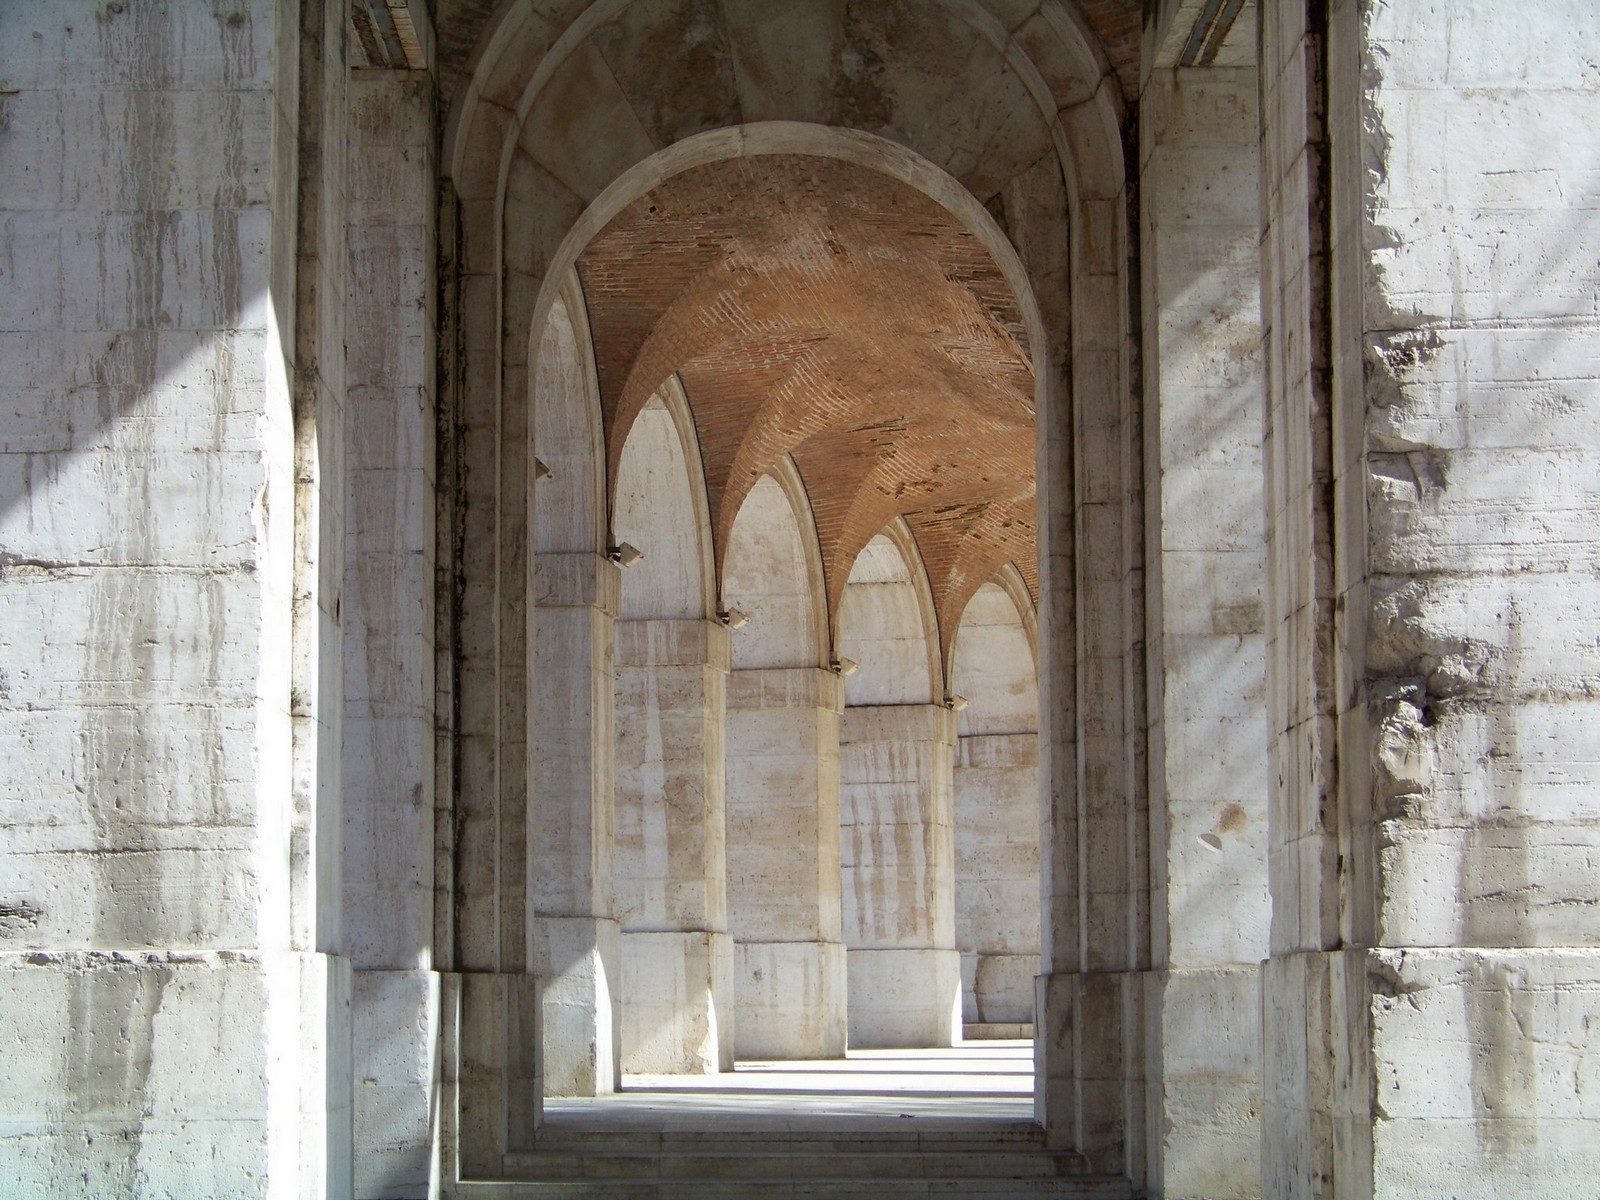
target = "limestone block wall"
x: 1205, y: 619
x: 897, y: 873
x: 1434, y: 518
x: 783, y: 862
x: 996, y: 805
x: 388, y: 622
x: 573, y: 931
x: 171, y: 1000
x: 996, y: 875
x: 671, y: 870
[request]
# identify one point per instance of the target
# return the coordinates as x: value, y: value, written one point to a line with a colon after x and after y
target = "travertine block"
x: 904, y: 997
x: 677, y: 1003
x: 396, y: 1061
x: 789, y: 1000
x: 578, y: 963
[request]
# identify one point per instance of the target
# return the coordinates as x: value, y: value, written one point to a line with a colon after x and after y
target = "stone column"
x: 1434, y: 517
x: 671, y: 872
x: 1205, y: 622
x: 783, y: 863
x: 897, y: 866
x: 995, y: 784
x: 173, y: 1000
x: 572, y: 928
x: 388, y: 752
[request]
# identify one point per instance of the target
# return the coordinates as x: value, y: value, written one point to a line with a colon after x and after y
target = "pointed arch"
x: 886, y: 624
x: 569, y: 504
x: 772, y: 572
x: 530, y: 192
x: 992, y: 663
x: 659, y: 507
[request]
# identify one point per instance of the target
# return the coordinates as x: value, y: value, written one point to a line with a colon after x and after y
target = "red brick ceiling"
x: 815, y: 308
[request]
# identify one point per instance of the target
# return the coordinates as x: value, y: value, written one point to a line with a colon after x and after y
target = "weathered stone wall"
x: 783, y: 862
x: 671, y: 870
x: 573, y: 933
x: 1299, y: 1054
x: 1434, y: 521
x: 897, y: 874
x: 216, y: 640
x: 671, y: 669
x: 388, y: 622
x: 171, y: 1004
x: 995, y: 785
x: 1205, y: 618
x: 782, y: 780
x: 996, y: 872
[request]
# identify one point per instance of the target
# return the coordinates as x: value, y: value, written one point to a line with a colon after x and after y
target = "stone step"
x: 564, y: 1167
x: 1019, y: 1136
x: 1084, y: 1188
x: 1005, y: 1163
x: 997, y: 1031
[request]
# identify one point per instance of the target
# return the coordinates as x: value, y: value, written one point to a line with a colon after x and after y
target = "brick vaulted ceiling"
x: 816, y: 308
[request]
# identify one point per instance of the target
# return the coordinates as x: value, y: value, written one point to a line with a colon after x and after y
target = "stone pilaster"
x: 897, y: 860
x: 1205, y: 621
x: 783, y: 863
x: 671, y: 871
x: 572, y: 929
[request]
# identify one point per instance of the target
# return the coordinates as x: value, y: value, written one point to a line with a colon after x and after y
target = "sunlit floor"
x: 870, y: 1090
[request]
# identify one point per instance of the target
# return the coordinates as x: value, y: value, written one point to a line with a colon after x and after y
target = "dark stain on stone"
x: 859, y: 99
x: 1232, y: 819
x: 1386, y: 980
x: 674, y: 61
x: 1392, y: 357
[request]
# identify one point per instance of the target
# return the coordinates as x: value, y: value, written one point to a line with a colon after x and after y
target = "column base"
x: 396, y: 1051
x: 490, y: 1093
x: 789, y: 1000
x: 230, y: 1067
x: 1422, y: 1071
x: 1089, y: 1066
x: 1204, y: 1072
x: 997, y: 989
x: 579, y: 964
x: 677, y: 1003
x: 908, y: 998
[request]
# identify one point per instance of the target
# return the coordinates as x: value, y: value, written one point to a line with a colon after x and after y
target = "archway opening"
x: 775, y: 411
x: 995, y: 693
x: 1031, y: 183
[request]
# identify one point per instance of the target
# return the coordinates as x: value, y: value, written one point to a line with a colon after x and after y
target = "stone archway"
x: 995, y: 689
x: 533, y: 195
x: 671, y: 666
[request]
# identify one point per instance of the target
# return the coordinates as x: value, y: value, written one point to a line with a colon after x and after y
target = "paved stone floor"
x: 978, y: 1083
